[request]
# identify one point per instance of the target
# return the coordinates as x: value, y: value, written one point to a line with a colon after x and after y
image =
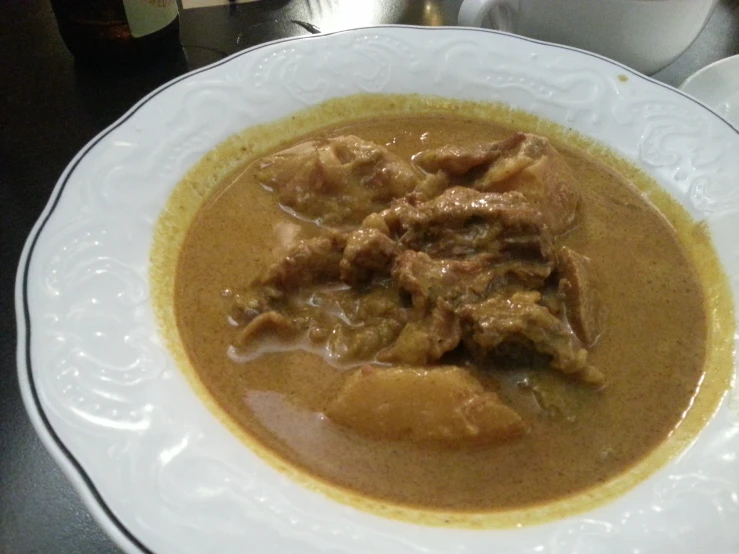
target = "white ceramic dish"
x: 718, y: 86
x: 644, y: 35
x: 161, y: 473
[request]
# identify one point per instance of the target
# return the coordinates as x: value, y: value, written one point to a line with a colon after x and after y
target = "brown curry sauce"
x: 653, y: 349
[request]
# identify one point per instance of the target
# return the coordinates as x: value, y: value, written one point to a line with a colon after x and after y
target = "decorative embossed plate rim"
x: 164, y: 476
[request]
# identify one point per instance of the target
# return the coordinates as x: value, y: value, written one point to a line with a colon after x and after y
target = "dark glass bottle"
x: 118, y: 31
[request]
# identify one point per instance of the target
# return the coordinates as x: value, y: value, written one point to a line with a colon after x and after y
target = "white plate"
x: 160, y: 472
x: 718, y: 86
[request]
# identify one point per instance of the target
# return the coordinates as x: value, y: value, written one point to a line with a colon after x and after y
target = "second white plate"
x: 718, y: 86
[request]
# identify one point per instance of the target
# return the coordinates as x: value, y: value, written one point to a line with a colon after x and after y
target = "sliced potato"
x: 444, y: 405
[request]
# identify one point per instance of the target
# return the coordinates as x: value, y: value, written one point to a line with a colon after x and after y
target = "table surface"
x: 50, y: 108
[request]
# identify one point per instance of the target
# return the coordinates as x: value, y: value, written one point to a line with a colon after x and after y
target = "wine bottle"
x: 118, y: 31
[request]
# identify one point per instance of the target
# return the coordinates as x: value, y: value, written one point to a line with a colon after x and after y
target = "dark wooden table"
x: 50, y: 108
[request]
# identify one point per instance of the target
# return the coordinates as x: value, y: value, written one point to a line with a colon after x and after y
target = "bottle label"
x: 148, y: 16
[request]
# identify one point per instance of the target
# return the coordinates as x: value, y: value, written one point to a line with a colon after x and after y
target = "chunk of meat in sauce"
x: 426, y: 339
x: 442, y: 405
x: 368, y: 252
x: 462, y: 222
x: 364, y: 324
x: 520, y: 319
x: 309, y: 262
x: 337, y: 181
x: 523, y: 162
x: 463, y: 281
x: 426, y: 279
x: 457, y: 160
x: 580, y: 293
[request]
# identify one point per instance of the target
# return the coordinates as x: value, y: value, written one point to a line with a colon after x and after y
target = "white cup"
x: 644, y: 34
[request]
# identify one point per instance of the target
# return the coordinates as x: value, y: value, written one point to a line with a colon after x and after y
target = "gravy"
x: 652, y: 351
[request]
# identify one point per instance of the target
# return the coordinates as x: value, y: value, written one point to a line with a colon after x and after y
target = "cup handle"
x: 472, y: 13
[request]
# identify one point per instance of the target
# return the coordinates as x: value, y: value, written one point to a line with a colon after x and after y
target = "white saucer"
x: 717, y: 85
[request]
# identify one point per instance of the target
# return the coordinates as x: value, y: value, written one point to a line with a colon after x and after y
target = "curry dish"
x: 441, y: 312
